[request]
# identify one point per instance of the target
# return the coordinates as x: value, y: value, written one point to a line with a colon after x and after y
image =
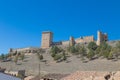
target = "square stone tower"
x: 101, y: 37
x: 47, y: 38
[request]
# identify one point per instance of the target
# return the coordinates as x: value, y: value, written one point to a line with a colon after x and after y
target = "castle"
x: 47, y: 39
x: 47, y: 42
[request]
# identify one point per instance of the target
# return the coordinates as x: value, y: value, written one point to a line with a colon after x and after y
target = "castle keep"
x: 101, y: 37
x: 47, y: 40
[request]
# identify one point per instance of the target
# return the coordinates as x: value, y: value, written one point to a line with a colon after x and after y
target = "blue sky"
x: 22, y: 21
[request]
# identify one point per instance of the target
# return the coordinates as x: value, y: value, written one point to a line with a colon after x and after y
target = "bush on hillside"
x: 90, y: 54
x: 92, y: 46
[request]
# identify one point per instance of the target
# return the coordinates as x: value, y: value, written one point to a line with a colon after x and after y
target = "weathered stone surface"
x: 87, y: 75
x: 29, y: 78
x: 101, y: 37
x: 47, y: 38
x: 116, y: 76
x: 99, y: 78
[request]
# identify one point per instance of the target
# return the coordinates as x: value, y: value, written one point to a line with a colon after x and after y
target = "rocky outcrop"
x: 92, y: 75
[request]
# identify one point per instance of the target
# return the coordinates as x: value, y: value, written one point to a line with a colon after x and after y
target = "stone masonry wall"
x: 86, y: 39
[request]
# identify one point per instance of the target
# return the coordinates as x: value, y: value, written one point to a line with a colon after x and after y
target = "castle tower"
x: 99, y: 38
x: 72, y: 41
x: 105, y: 36
x: 47, y: 38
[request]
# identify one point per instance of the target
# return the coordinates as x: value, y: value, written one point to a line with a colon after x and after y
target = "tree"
x: 92, y: 46
x: 82, y: 51
x: 41, y: 57
x: 22, y: 56
x: 14, y: 53
x: 118, y: 44
x: 64, y: 56
x: 90, y: 54
x: 104, y: 50
x: 21, y: 76
x: 55, y: 50
x: 53, y: 54
x: 2, y: 56
x: 73, y: 50
x: 57, y: 57
x: 19, y: 53
x: 16, y: 59
x: 9, y: 55
x: 110, y: 56
x: 115, y: 52
x: 118, y: 48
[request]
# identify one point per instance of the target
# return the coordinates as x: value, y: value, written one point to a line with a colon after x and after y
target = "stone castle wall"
x: 65, y: 43
x: 86, y: 39
x: 24, y: 50
x: 73, y: 41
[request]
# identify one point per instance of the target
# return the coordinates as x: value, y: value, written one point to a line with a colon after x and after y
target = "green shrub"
x: 2, y: 56
x: 92, y: 46
x: 64, y: 58
x: 41, y: 57
x: 53, y: 54
x: 90, y: 54
x: 57, y: 57
x: 16, y: 59
x: 22, y: 56
x: 72, y: 49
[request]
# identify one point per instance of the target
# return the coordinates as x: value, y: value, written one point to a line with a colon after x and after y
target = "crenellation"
x: 85, y: 39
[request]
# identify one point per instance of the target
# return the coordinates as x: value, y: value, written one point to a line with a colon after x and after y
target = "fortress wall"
x: 21, y: 49
x: 88, y: 39
x: 85, y: 39
x: 24, y: 49
x: 65, y: 43
x: 79, y: 40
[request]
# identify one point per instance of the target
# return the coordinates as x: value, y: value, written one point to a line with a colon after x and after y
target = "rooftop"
x: 8, y: 77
